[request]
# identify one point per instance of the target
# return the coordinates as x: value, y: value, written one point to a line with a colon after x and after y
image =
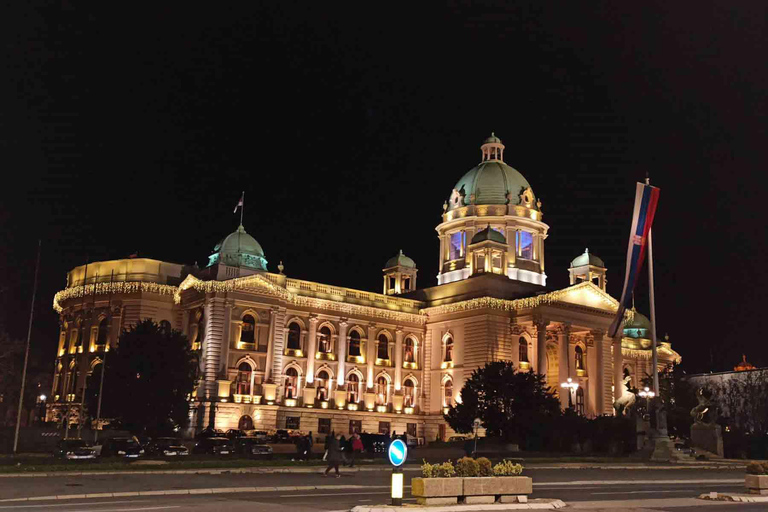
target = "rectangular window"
x: 480, y: 263
x: 525, y: 245
x: 406, y: 283
x: 384, y: 427
x: 391, y: 283
x: 456, y: 246
x: 410, y: 429
x: 292, y: 422
x: 324, y: 426
x: 498, y: 229
x: 496, y: 263
x: 355, y: 426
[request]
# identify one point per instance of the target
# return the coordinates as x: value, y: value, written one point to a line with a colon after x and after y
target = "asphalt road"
x: 587, y: 489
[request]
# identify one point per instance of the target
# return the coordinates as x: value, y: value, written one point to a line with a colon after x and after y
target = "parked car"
x: 74, y: 449
x: 166, y: 446
x: 261, y: 435
x: 252, y: 447
x: 234, y: 433
x: 375, y: 443
x: 127, y: 447
x: 282, y: 436
x: 457, y: 439
x: 214, y: 446
x: 209, y: 432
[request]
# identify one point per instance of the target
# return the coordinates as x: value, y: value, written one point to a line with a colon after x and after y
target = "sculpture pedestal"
x: 707, y: 437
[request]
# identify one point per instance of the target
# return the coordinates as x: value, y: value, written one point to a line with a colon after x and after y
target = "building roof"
x: 587, y: 258
x: 239, y: 249
x: 638, y: 327
x: 488, y: 234
x: 400, y: 259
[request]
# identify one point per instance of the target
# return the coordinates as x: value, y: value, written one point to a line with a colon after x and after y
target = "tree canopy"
x: 510, y: 403
x: 147, y: 380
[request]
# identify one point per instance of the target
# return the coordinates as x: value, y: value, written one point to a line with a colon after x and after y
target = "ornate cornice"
x: 117, y: 288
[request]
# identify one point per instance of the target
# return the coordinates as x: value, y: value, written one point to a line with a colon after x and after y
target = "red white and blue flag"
x: 646, y: 198
x: 240, y: 202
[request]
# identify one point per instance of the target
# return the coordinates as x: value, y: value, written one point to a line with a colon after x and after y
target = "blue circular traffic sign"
x: 398, y: 451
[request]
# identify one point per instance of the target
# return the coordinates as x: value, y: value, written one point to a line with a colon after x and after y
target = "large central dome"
x: 239, y: 249
x: 492, y: 181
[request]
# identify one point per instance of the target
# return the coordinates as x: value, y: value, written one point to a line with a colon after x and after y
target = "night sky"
x: 135, y: 127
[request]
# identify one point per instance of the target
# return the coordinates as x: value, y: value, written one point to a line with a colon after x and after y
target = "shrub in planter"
x: 757, y: 468
x: 467, y: 467
x: 484, y: 466
x: 507, y: 468
x: 444, y: 470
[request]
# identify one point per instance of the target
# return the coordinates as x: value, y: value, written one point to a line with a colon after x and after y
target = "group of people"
x: 338, y: 450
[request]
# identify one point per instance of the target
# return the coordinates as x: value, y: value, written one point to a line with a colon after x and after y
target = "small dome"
x: 493, y: 139
x: 587, y: 259
x: 638, y: 327
x: 401, y: 260
x: 239, y: 249
x: 488, y: 234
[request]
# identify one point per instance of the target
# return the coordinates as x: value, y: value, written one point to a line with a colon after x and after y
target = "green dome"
x: 488, y: 234
x: 490, y: 182
x: 587, y: 259
x: 493, y: 139
x: 401, y: 260
x: 239, y: 249
x: 638, y: 327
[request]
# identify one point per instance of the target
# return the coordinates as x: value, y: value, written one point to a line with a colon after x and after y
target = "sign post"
x: 477, y: 424
x: 398, y: 452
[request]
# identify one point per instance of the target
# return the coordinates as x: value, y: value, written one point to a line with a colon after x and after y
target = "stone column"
x: 278, y: 342
x: 214, y: 333
x: 341, y: 352
x: 185, y: 323
x: 226, y: 338
x: 398, y: 358
x: 541, y: 346
x: 270, y: 346
x: 311, y: 348
x: 564, y: 366
x: 442, y: 253
x: 597, y: 374
x: 618, y: 368
x: 370, y: 353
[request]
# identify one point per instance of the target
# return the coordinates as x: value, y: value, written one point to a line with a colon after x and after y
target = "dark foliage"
x: 147, y: 380
x: 677, y: 398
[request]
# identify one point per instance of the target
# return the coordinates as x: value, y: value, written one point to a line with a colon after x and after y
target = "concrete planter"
x: 436, y: 491
x: 756, y: 484
x: 497, y: 485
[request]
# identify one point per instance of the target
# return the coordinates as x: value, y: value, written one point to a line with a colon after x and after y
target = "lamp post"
x: 571, y: 387
x: 647, y: 394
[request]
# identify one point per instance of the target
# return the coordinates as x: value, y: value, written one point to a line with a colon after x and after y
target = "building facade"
x: 278, y: 352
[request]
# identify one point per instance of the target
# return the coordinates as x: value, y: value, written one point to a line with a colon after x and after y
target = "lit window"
x: 383, y: 348
x: 324, y: 340
x: 381, y: 390
x: 523, y: 350
x: 322, y: 385
x: 448, y: 393
x: 353, y: 388
x: 244, y: 379
x: 408, y: 351
x: 249, y: 326
x: 456, y: 246
x: 294, y: 336
x: 525, y: 245
x: 291, y: 382
x: 406, y: 284
x: 408, y: 394
x: 580, y: 401
x: 354, y: 344
x: 579, y: 358
x: 101, y: 339
x: 448, y: 349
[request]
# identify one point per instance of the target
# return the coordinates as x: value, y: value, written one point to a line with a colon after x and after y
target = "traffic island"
x: 741, y: 498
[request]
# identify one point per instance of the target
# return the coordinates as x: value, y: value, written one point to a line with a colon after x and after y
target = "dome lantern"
x: 236, y: 255
x: 588, y: 267
x: 399, y: 274
x: 492, y: 149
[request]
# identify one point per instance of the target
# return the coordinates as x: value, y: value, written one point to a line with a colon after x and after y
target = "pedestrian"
x: 334, y: 456
x: 357, y: 447
x: 344, y: 450
x: 309, y: 444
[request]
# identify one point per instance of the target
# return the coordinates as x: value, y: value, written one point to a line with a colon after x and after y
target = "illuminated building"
x: 279, y: 352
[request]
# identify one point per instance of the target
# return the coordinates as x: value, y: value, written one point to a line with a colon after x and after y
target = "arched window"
x: 165, y: 325
x: 448, y: 349
x: 354, y: 344
x: 448, y: 393
x: 523, y: 349
x: 101, y: 339
x: 381, y: 390
x: 580, y: 401
x: 409, y: 395
x: 353, y: 388
x: 294, y: 336
x: 324, y: 340
x: 244, y: 373
x: 249, y: 329
x: 382, y: 351
x: 409, y: 351
x: 291, y: 383
x: 322, y: 384
x: 245, y: 423
x: 579, y: 358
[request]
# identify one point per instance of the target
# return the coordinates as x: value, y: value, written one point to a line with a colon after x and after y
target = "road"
x: 586, y: 489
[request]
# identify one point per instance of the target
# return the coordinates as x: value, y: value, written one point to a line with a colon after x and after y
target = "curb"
x: 217, y: 490
x: 540, y: 504
x: 742, y: 498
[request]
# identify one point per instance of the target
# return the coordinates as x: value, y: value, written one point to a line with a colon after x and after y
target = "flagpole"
x: 104, y: 360
x: 242, y: 207
x: 86, y: 351
x: 653, y: 308
x: 26, y: 352
x: 77, y: 362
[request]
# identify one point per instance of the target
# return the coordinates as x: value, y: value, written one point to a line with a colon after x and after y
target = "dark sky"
x: 133, y: 126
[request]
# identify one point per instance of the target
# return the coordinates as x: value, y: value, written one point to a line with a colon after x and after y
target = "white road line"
x: 655, y: 491
x: 134, y: 509
x: 329, y: 494
x: 9, y: 507
x: 580, y: 483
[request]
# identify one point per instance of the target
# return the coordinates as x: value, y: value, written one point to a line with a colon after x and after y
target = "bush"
x: 484, y: 467
x: 444, y: 470
x: 467, y: 466
x: 427, y: 469
x: 507, y: 468
x: 757, y: 468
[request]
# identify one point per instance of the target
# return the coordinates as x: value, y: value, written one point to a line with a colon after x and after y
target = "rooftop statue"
x: 705, y: 413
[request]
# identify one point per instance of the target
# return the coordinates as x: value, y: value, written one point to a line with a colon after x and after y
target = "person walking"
x: 309, y: 444
x: 334, y: 455
x: 357, y: 447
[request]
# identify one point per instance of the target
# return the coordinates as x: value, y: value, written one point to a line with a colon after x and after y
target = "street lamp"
x: 572, y: 387
x: 647, y: 393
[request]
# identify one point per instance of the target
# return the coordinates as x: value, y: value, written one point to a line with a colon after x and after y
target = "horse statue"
x: 626, y: 401
x: 705, y: 413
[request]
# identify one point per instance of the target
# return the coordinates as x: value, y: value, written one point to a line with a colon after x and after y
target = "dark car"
x: 74, y: 449
x: 214, y: 446
x: 209, y: 432
x: 282, y: 436
x: 375, y: 443
x: 252, y: 447
x: 261, y: 435
x: 126, y: 447
x: 166, y: 446
x: 234, y: 433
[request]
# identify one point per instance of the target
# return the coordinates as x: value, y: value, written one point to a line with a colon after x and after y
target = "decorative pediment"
x: 588, y: 295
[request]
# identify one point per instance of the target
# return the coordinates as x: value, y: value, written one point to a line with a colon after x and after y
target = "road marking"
x: 655, y: 491
x: 135, y: 509
x: 580, y: 483
x: 72, y: 504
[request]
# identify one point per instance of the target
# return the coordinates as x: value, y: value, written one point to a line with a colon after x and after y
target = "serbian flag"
x: 646, y: 198
x: 240, y: 202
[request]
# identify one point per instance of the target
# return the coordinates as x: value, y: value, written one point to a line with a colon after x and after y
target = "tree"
x: 677, y: 397
x: 147, y: 380
x: 511, y: 404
